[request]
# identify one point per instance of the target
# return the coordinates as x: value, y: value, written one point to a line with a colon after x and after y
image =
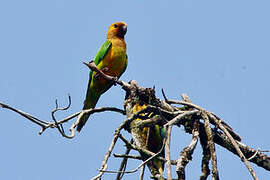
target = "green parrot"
x: 150, y: 138
x: 112, y: 60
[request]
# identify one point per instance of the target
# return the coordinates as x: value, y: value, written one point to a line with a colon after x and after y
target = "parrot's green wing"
x: 103, y: 50
x: 91, y: 96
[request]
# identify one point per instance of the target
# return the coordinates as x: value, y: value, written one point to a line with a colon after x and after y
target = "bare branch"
x: 206, y: 154
x: 96, y: 110
x: 229, y: 129
x: 60, y: 128
x: 186, y: 153
x: 167, y: 152
x: 241, y: 155
x: 164, y: 96
x: 153, y: 155
x: 142, y: 172
x: 260, y: 159
x: 26, y: 115
x: 127, y: 156
x: 58, y: 124
x: 123, y: 164
x: 211, y: 145
x: 186, y: 98
x: 108, y: 154
x: 161, y: 113
x: 179, y: 117
x: 91, y: 65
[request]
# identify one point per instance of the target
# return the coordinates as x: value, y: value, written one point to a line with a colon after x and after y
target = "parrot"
x: 150, y: 138
x: 112, y: 59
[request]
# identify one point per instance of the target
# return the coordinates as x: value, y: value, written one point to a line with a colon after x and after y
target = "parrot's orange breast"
x: 114, y: 64
x: 115, y: 61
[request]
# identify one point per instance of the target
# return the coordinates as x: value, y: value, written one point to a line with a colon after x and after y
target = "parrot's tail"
x: 156, y: 168
x: 159, y: 165
x: 88, y: 104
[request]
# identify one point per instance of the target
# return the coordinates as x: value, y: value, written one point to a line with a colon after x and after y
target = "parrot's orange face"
x: 117, y: 29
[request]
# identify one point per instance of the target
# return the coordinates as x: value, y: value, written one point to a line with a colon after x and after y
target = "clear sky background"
x: 215, y: 51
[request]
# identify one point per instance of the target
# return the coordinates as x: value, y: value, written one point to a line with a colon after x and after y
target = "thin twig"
x: 229, y: 129
x: 261, y: 160
x: 26, y: 115
x: 179, y: 117
x: 52, y: 124
x: 258, y: 151
x: 153, y: 155
x: 123, y: 164
x: 108, y: 154
x: 96, y: 110
x: 142, y: 172
x: 254, y: 155
x: 60, y: 128
x: 127, y: 156
x: 164, y: 96
x: 57, y: 124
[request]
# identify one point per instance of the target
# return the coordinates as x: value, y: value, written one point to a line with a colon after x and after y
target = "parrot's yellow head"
x: 117, y: 30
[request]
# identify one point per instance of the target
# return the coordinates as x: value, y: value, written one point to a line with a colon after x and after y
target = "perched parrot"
x: 150, y: 138
x: 112, y: 60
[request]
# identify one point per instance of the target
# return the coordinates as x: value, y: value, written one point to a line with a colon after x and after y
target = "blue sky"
x: 215, y: 51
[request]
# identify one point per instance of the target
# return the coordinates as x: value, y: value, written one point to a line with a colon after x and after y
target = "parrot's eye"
x: 115, y: 26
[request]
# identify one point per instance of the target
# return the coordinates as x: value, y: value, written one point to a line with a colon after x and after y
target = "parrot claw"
x: 97, y: 76
x: 105, y: 69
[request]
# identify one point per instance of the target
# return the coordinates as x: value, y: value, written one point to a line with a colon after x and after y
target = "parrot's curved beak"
x: 124, y: 29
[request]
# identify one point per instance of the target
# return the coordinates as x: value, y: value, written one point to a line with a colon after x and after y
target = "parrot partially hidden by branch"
x: 112, y: 60
x: 150, y: 138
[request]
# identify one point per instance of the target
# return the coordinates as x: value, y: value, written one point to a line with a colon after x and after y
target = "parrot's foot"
x: 104, y: 70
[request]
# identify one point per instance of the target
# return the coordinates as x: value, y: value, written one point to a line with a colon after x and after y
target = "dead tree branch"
x: 206, y: 154
x: 168, y: 153
x: 123, y: 164
x: 146, y: 118
x: 211, y: 145
x: 58, y: 124
x: 186, y: 153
